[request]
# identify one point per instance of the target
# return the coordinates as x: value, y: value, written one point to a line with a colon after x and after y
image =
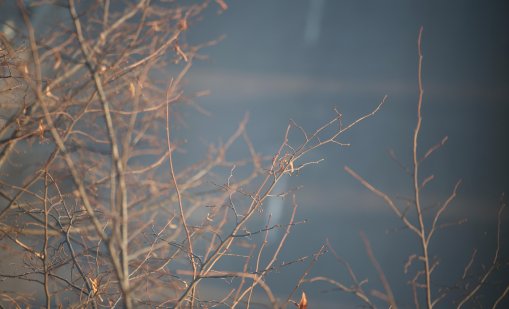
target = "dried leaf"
x: 41, y: 129
x: 182, y: 25
x: 95, y: 285
x: 132, y: 89
x: 58, y: 60
x: 155, y: 26
x: 303, y: 304
x: 102, y: 68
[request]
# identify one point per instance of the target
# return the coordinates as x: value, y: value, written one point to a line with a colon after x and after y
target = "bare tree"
x: 95, y: 211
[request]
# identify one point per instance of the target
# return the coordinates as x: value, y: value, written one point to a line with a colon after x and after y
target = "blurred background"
x: 301, y: 59
x: 297, y: 59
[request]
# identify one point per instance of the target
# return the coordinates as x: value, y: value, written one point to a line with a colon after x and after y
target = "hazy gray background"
x: 300, y: 59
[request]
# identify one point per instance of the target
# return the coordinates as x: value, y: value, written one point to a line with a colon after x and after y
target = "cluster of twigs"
x: 104, y: 216
x: 95, y: 210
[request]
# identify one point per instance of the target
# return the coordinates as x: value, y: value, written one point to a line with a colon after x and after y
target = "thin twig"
x: 179, y: 196
x: 385, y: 283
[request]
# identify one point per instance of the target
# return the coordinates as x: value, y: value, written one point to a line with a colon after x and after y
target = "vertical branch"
x: 106, y: 6
x: 117, y: 174
x: 46, y: 238
x: 418, y: 207
x: 177, y: 190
